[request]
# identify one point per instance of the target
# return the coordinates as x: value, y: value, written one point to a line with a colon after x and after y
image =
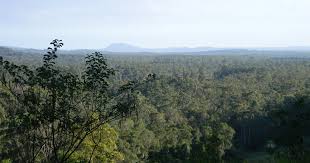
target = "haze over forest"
x: 155, y: 81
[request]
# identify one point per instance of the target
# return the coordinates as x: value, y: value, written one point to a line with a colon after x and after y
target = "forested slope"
x: 206, y: 108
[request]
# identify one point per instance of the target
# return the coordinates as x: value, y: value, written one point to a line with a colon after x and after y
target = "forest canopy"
x: 153, y: 108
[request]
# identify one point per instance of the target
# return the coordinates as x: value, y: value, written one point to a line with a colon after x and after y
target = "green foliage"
x: 99, y: 146
x: 292, y: 119
x: 198, y: 109
x: 53, y: 111
x: 217, y: 140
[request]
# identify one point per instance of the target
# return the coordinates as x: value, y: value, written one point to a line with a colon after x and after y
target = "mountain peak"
x: 122, y: 47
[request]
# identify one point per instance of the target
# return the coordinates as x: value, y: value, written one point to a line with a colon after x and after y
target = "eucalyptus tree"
x: 52, y: 111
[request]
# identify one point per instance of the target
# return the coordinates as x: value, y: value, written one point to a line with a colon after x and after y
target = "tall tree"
x: 53, y: 111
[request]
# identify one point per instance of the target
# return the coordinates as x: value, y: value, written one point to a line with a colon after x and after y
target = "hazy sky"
x: 155, y: 23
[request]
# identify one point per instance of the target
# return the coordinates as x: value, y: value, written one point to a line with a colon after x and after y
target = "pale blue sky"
x: 155, y: 23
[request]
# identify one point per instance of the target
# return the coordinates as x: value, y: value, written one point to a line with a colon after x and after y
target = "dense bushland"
x: 192, y: 109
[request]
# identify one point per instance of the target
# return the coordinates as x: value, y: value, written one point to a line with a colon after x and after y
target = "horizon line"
x: 168, y: 47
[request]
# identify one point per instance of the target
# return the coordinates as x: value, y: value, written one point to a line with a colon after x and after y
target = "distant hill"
x: 9, y: 51
x: 290, y: 48
x: 123, y: 47
x: 127, y: 49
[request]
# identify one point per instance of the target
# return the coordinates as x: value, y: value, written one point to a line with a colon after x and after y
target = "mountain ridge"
x: 123, y: 48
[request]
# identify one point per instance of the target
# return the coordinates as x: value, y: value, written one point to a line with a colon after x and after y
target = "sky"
x: 94, y: 24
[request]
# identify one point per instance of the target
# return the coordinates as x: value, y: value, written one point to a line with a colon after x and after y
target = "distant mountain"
x: 127, y: 49
x: 290, y: 48
x: 123, y: 47
x: 9, y: 51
